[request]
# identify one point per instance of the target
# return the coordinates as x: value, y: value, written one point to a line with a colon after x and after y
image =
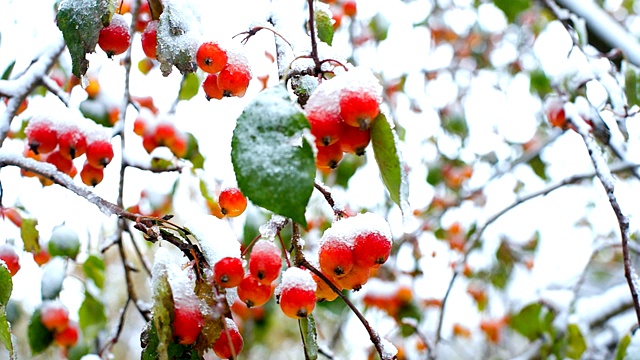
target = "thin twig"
x: 114, y: 339
x: 338, y: 212
x: 314, y: 43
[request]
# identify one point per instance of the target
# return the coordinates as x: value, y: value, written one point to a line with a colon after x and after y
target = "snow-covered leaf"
x: 273, y: 163
x: 162, y: 303
x: 177, y: 38
x: 64, y: 242
x: 80, y: 23
x: 53, y: 274
x: 30, y: 235
x: 309, y: 337
x: 385, y: 151
x: 39, y: 337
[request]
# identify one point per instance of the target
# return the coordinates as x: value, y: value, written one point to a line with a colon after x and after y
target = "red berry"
x: 234, y: 78
x: 371, y: 249
x: 328, y: 157
x: 211, y: 57
x: 12, y: 214
x: 354, y: 140
x: 349, y: 8
x: 99, y: 153
x: 179, y: 146
x: 67, y: 337
x: 228, y: 272
x: 323, y: 291
x: 139, y: 126
x: 42, y: 136
x: 61, y: 163
x: 210, y: 87
x: 42, y: 257
x: 10, y: 258
x: 187, y: 324
x: 358, y: 108
x: 252, y: 292
x: 54, y: 316
x: 297, y: 293
x: 554, y: 107
x: 72, y: 143
x: 115, y: 39
x: 326, y: 126
x: 149, y: 142
x: 232, y: 202
x: 165, y: 134
x: 335, y: 256
x: 90, y: 175
x: 144, y: 16
x: 229, y: 344
x: 149, y: 39
x: 265, y: 261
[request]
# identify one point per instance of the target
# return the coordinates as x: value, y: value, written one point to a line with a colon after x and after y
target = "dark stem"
x: 339, y: 213
x: 314, y: 44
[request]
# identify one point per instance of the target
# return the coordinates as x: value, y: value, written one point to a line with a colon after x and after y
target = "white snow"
x: 295, y: 277
x: 270, y: 229
x: 347, y: 229
x: 216, y: 237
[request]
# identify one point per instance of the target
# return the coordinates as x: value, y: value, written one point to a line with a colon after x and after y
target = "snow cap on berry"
x: 347, y: 229
x: 216, y: 237
x: 295, y: 277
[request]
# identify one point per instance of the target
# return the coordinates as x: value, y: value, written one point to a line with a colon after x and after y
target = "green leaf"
x: 539, y: 167
x: 189, y: 86
x: 512, y: 8
x: 309, y: 337
x: 6, y: 286
x: 5, y: 333
x: 323, y: 25
x: 94, y: 269
x: 540, y: 83
x: 39, y: 337
x: 176, y: 43
x: 193, y: 152
x: 7, y: 72
x: 527, y: 321
x: 78, y: 351
x: 95, y: 110
x: 150, y: 342
x: 385, y: 151
x: 379, y: 26
x: 162, y: 311
x: 80, y: 23
x: 30, y: 235
x: 92, y: 317
x: 576, y: 344
x: 185, y: 352
x: 621, y: 352
x: 273, y: 163
x: 64, y: 242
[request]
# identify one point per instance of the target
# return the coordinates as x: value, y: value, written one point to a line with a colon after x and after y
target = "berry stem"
x: 338, y: 212
x: 314, y: 44
x: 284, y: 252
x: 255, y: 30
x: 246, y: 249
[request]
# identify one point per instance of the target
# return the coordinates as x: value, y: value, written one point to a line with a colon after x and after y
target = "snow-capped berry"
x: 265, y: 261
x: 211, y: 58
x: 115, y: 39
x: 296, y: 293
x: 187, y: 323
x: 72, y: 143
x: 228, y: 272
x: 41, y: 136
x: 149, y: 39
x: 231, y: 335
x: 54, y: 315
x: 371, y: 248
x: 10, y: 258
x: 235, y: 77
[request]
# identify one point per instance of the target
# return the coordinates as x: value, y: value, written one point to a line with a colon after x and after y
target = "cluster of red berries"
x: 115, y: 39
x: 231, y: 203
x: 54, y: 316
x: 340, y: 111
x: 163, y: 133
x: 349, y: 250
x: 59, y: 142
x: 228, y: 71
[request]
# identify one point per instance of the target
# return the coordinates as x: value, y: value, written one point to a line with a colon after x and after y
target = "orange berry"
x: 234, y: 78
x: 328, y: 157
x: 10, y: 258
x: 228, y: 272
x: 90, y: 175
x: 211, y: 58
x: 252, y: 292
x: 67, y: 337
x: 232, y: 202
x: 210, y: 87
x: 296, y: 293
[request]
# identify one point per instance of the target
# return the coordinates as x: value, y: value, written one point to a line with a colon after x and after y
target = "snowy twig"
x: 18, y: 89
x: 477, y: 235
x: 314, y: 43
x: 326, y: 192
x: 606, y: 179
x: 114, y: 339
x: 55, y: 89
x: 609, y: 30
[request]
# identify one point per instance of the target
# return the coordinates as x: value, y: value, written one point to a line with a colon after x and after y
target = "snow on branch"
x: 605, y: 27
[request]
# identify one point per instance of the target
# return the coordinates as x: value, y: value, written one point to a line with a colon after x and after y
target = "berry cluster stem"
x: 314, y: 43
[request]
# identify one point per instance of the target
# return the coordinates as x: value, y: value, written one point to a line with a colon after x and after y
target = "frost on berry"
x: 265, y: 261
x: 115, y: 38
x: 360, y: 98
x: 10, y: 258
x: 296, y: 293
x: 234, y: 78
x: 41, y: 135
